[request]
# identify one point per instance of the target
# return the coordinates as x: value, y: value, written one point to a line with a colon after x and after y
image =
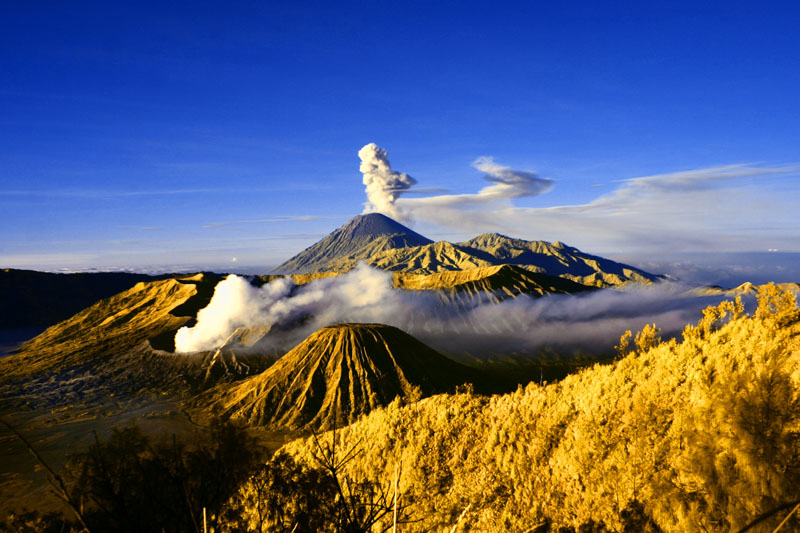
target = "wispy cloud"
x: 507, y: 184
x: 143, y: 228
x: 385, y: 186
x: 274, y: 220
x: 742, y: 207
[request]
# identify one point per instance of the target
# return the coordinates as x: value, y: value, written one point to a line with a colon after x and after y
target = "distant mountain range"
x: 124, y: 341
x: 39, y: 299
x: 31, y: 299
x: 386, y: 244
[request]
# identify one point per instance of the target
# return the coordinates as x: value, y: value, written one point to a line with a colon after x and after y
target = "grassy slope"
x: 502, y: 281
x: 705, y: 432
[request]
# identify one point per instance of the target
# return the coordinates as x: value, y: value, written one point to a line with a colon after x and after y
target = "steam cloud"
x: 721, y: 208
x: 384, y: 185
x: 480, y: 328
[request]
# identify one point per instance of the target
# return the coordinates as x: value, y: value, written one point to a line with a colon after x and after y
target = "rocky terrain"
x: 339, y: 373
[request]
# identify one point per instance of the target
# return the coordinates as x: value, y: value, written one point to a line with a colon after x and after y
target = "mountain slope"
x: 147, y: 311
x: 556, y: 259
x: 363, y: 235
x: 344, y: 371
x: 698, y: 435
x: 488, y: 250
x: 383, y: 243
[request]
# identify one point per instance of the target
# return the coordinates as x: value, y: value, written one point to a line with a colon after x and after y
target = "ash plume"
x: 720, y: 208
x: 383, y: 185
x: 482, y: 328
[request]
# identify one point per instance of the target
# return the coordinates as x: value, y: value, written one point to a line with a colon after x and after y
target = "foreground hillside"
x: 697, y: 435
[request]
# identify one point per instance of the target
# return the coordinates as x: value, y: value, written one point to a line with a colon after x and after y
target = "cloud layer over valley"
x: 481, y: 328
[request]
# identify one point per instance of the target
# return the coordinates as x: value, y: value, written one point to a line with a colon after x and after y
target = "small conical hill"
x: 341, y: 371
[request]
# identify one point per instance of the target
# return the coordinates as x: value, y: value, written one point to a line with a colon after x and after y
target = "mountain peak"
x: 375, y: 225
x: 491, y: 238
x: 359, y: 232
x: 386, y: 244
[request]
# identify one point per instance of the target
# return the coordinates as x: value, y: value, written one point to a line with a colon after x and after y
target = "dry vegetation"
x: 697, y: 435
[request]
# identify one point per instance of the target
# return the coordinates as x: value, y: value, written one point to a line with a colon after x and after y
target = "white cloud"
x: 727, y: 208
x: 275, y: 220
x: 480, y: 327
x: 383, y: 185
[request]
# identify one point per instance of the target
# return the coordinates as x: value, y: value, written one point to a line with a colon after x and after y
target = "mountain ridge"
x: 412, y: 253
x: 41, y: 299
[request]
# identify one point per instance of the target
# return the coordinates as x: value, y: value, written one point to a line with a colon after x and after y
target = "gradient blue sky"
x: 182, y: 135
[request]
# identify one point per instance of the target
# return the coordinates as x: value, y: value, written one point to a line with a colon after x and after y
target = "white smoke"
x: 721, y: 209
x: 482, y: 327
x: 235, y: 304
x: 384, y: 185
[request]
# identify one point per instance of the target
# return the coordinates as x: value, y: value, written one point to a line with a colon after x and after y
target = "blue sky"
x: 182, y: 135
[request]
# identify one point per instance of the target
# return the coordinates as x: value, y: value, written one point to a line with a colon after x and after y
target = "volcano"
x: 338, y: 374
x: 386, y: 244
x: 362, y: 236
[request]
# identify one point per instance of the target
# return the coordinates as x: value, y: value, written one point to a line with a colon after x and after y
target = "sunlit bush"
x: 696, y: 434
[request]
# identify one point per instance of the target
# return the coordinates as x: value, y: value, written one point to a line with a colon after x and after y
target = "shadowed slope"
x: 40, y: 299
x: 112, y: 326
x: 346, y: 370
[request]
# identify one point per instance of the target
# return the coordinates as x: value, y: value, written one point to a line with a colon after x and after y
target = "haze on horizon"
x: 158, y: 137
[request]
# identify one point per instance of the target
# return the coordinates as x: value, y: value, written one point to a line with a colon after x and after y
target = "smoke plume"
x: 383, y: 185
x: 481, y: 328
x: 721, y: 208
